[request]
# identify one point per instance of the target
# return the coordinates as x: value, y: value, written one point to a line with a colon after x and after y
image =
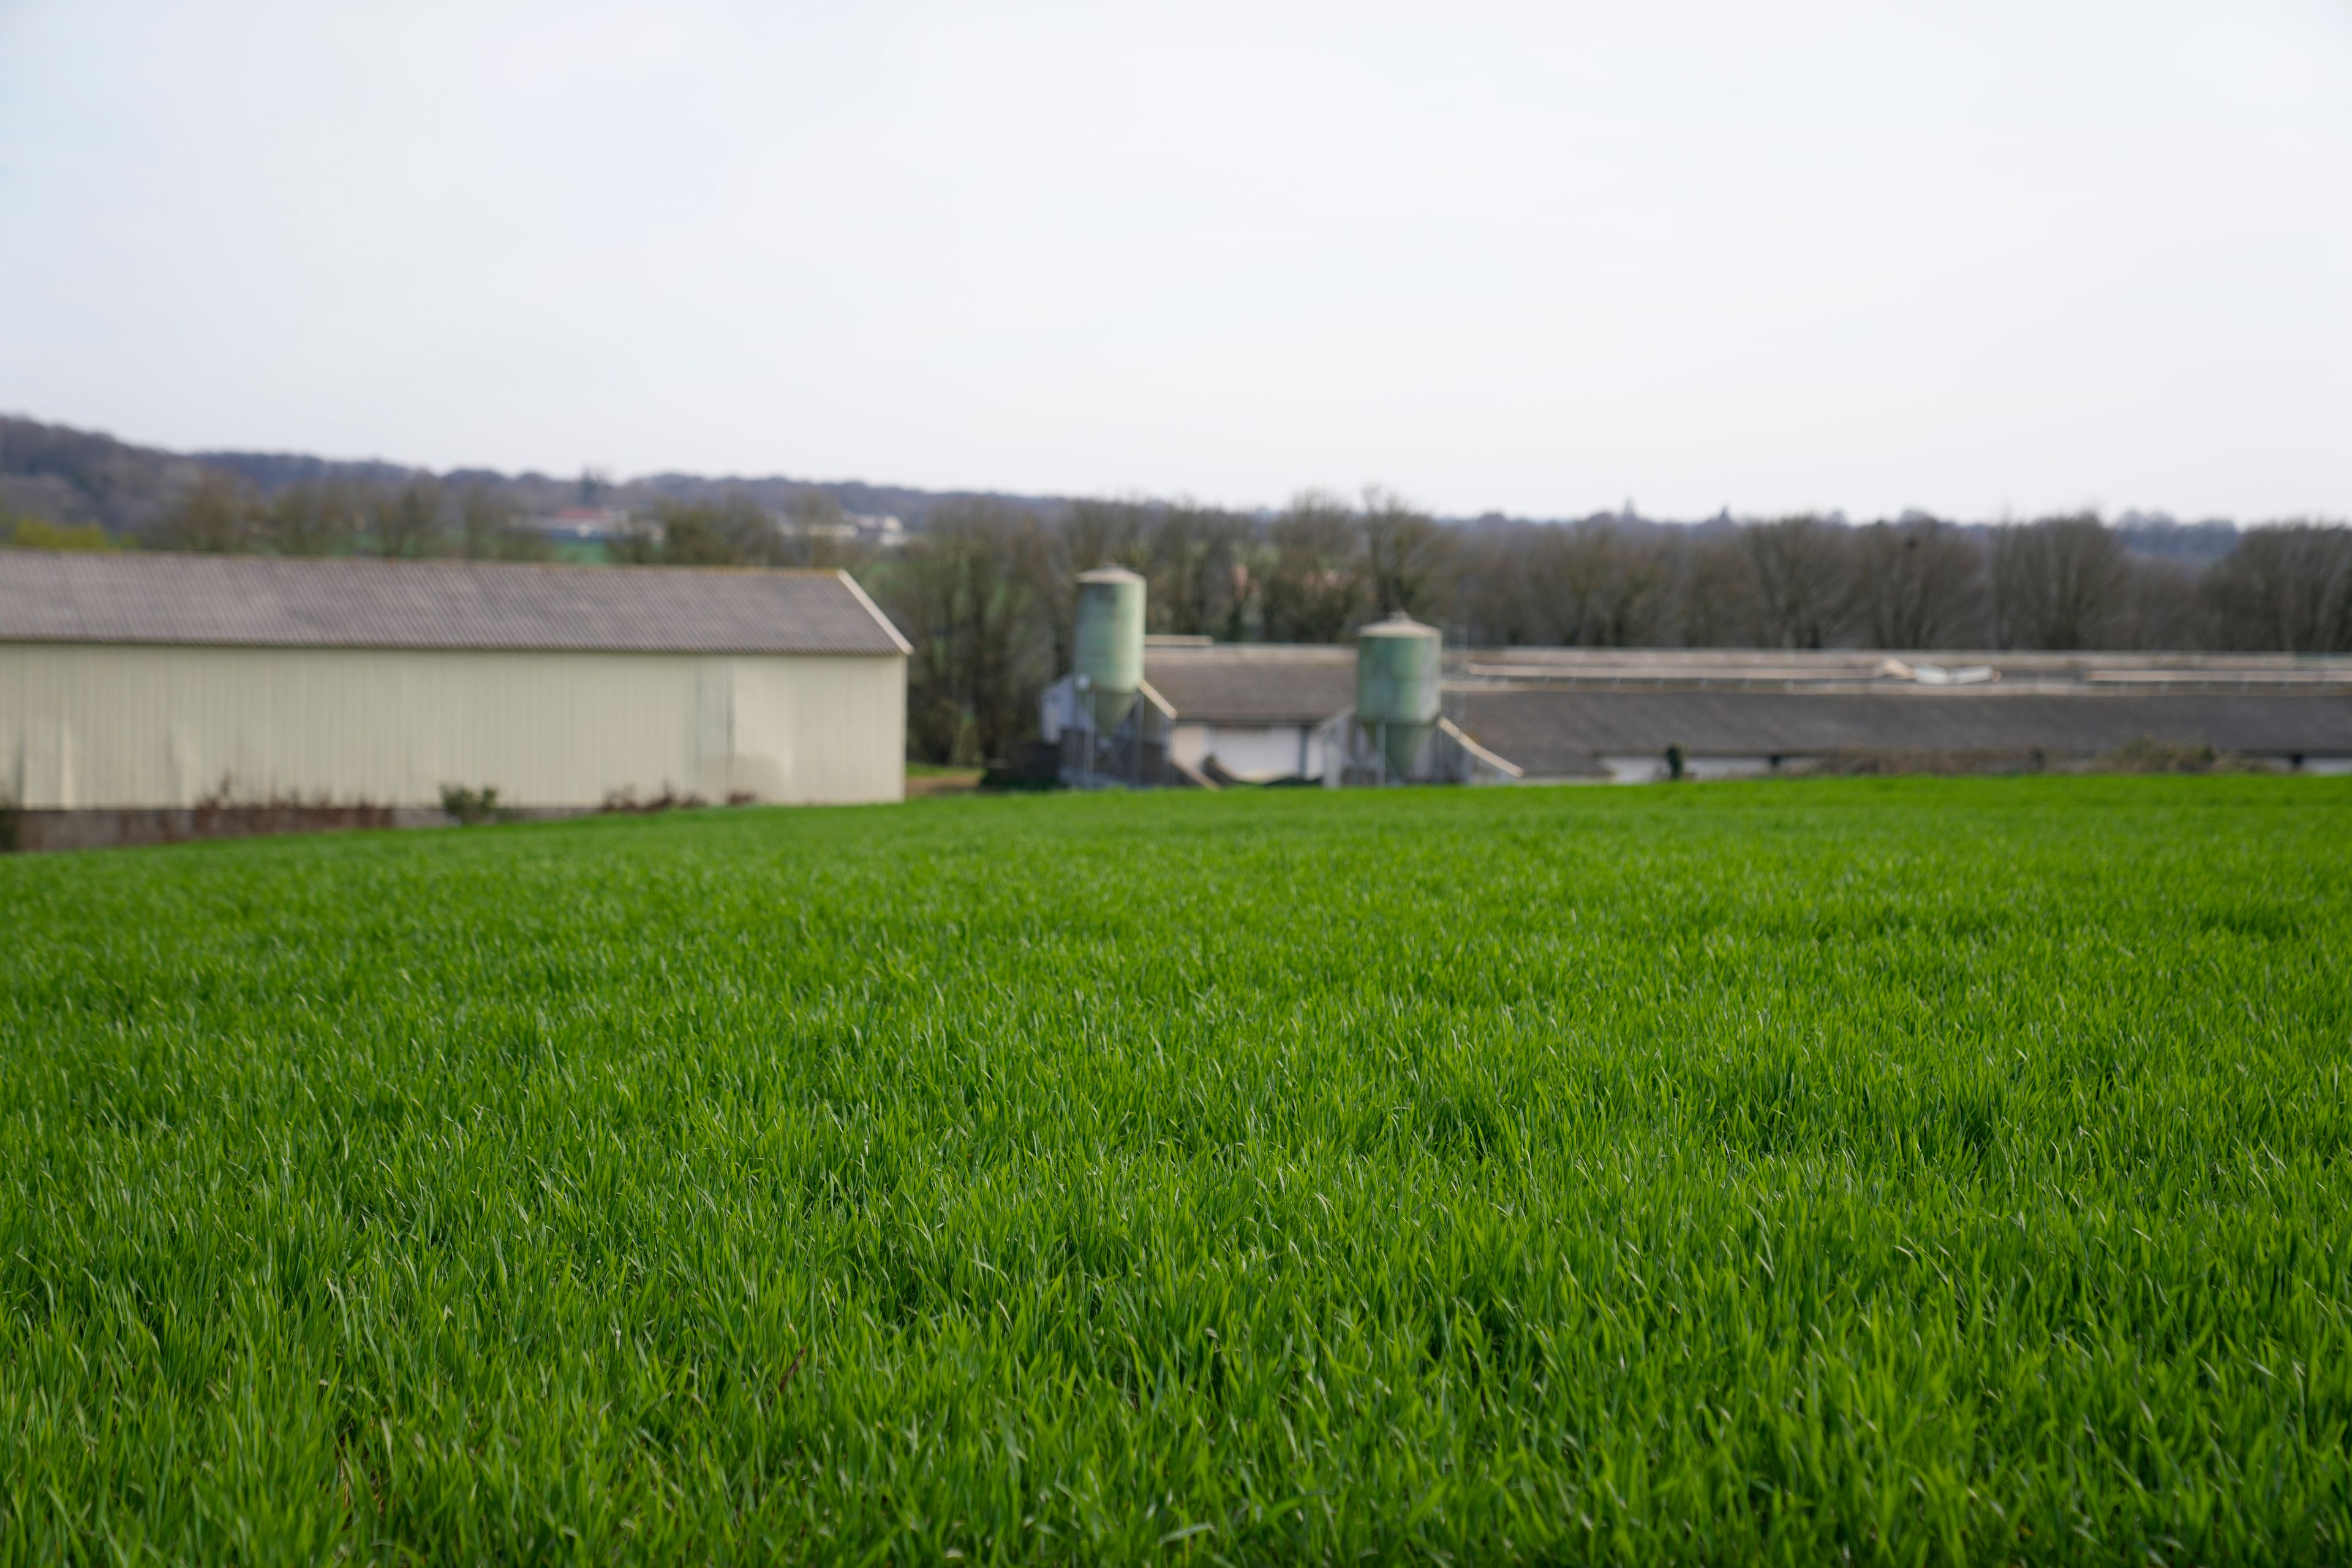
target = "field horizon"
x: 1905, y: 1171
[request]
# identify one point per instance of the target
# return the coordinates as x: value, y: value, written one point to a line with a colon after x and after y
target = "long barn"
x: 1221, y: 712
x: 159, y: 696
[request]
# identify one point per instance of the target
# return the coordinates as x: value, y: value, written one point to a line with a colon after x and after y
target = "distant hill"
x: 70, y: 476
x: 79, y: 476
x: 270, y: 472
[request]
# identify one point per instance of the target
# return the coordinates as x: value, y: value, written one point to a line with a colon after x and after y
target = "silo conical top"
x: 1397, y: 624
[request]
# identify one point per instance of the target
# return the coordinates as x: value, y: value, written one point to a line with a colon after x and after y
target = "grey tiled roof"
x: 256, y: 602
x: 1243, y: 683
x: 1558, y: 734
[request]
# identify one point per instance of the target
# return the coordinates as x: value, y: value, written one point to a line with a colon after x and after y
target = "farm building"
x: 1571, y: 714
x: 162, y: 696
x: 1214, y: 713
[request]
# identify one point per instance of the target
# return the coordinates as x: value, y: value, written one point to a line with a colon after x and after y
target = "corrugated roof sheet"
x: 257, y: 602
x: 1558, y: 734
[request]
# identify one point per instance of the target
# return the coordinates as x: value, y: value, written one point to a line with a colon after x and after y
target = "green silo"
x: 1109, y: 656
x: 1396, y: 675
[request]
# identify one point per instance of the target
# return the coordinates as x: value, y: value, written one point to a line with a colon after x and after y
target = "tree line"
x: 986, y: 591
x: 986, y: 594
x: 416, y: 519
x: 421, y: 517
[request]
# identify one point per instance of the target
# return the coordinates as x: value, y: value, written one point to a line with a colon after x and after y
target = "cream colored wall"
x: 1251, y: 751
x: 90, y: 726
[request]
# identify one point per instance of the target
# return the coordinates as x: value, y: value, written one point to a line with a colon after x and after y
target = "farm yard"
x: 1903, y: 1171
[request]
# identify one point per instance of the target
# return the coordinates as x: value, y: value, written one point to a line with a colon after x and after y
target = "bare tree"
x: 1714, y: 591
x: 1803, y: 573
x: 1494, y: 600
x: 405, y: 521
x: 489, y: 529
x: 1917, y: 583
x: 215, y: 516
x: 2163, y: 605
x: 310, y: 519
x: 966, y: 595
x: 1598, y: 584
x: 1406, y: 557
x: 1314, y: 589
x: 2288, y: 586
x: 816, y: 533
x: 730, y: 531
x: 1106, y: 533
x: 1189, y: 563
x: 2062, y: 583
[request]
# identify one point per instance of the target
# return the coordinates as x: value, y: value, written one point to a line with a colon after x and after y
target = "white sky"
x: 1964, y: 256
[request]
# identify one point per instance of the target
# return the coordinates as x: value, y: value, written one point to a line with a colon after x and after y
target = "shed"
x: 1256, y: 710
x: 1625, y: 735
x: 186, y: 684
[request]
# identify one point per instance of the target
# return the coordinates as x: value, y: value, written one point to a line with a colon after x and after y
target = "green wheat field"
x: 1907, y: 1170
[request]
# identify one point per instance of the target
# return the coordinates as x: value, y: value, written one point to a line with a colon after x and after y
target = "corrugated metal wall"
x: 85, y: 727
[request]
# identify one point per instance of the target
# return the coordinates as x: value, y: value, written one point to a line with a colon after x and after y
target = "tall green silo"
x: 1109, y: 656
x: 1397, y: 688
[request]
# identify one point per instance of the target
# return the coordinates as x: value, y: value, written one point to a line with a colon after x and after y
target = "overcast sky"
x: 1967, y: 256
